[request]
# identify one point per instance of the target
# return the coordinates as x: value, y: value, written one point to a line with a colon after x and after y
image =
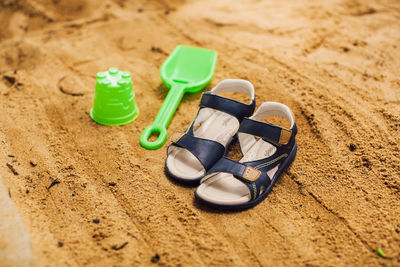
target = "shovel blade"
x: 191, y: 66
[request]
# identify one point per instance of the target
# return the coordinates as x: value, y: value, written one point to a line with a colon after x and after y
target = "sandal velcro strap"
x: 230, y: 106
x: 251, y: 174
x: 238, y: 169
x: 206, y: 151
x: 252, y: 178
x: 267, y: 131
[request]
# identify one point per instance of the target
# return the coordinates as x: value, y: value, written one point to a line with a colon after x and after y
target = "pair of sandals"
x: 198, y: 155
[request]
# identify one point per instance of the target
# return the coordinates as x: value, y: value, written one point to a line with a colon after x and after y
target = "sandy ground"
x: 89, y: 195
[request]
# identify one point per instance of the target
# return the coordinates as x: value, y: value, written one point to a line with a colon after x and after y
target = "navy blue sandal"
x: 192, y: 153
x: 267, y: 151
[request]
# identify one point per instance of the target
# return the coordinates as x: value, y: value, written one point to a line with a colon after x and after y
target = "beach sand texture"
x: 89, y: 195
x: 15, y: 246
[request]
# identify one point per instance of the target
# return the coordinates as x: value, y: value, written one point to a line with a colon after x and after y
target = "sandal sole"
x: 248, y: 205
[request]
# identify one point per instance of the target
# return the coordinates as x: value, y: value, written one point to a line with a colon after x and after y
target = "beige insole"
x: 223, y: 188
x: 219, y: 126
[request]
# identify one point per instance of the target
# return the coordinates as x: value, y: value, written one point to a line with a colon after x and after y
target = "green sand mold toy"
x: 114, y: 100
x: 186, y: 70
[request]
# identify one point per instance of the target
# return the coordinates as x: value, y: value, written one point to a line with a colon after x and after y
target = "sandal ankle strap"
x: 269, y: 132
x: 235, y: 108
x: 274, y: 134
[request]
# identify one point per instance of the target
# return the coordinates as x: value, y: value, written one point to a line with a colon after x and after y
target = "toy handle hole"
x: 153, y: 137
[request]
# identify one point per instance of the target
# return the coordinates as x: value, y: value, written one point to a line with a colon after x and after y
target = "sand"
x: 15, y: 245
x: 89, y: 195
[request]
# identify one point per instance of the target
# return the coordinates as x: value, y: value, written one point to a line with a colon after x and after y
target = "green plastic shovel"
x: 187, y: 69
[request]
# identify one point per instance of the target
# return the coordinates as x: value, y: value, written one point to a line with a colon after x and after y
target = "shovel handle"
x: 163, y: 118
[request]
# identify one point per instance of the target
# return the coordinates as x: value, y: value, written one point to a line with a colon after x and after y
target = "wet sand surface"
x: 90, y: 195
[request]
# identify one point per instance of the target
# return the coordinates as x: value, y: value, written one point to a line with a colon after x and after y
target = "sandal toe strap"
x: 206, y: 151
x: 253, y: 178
